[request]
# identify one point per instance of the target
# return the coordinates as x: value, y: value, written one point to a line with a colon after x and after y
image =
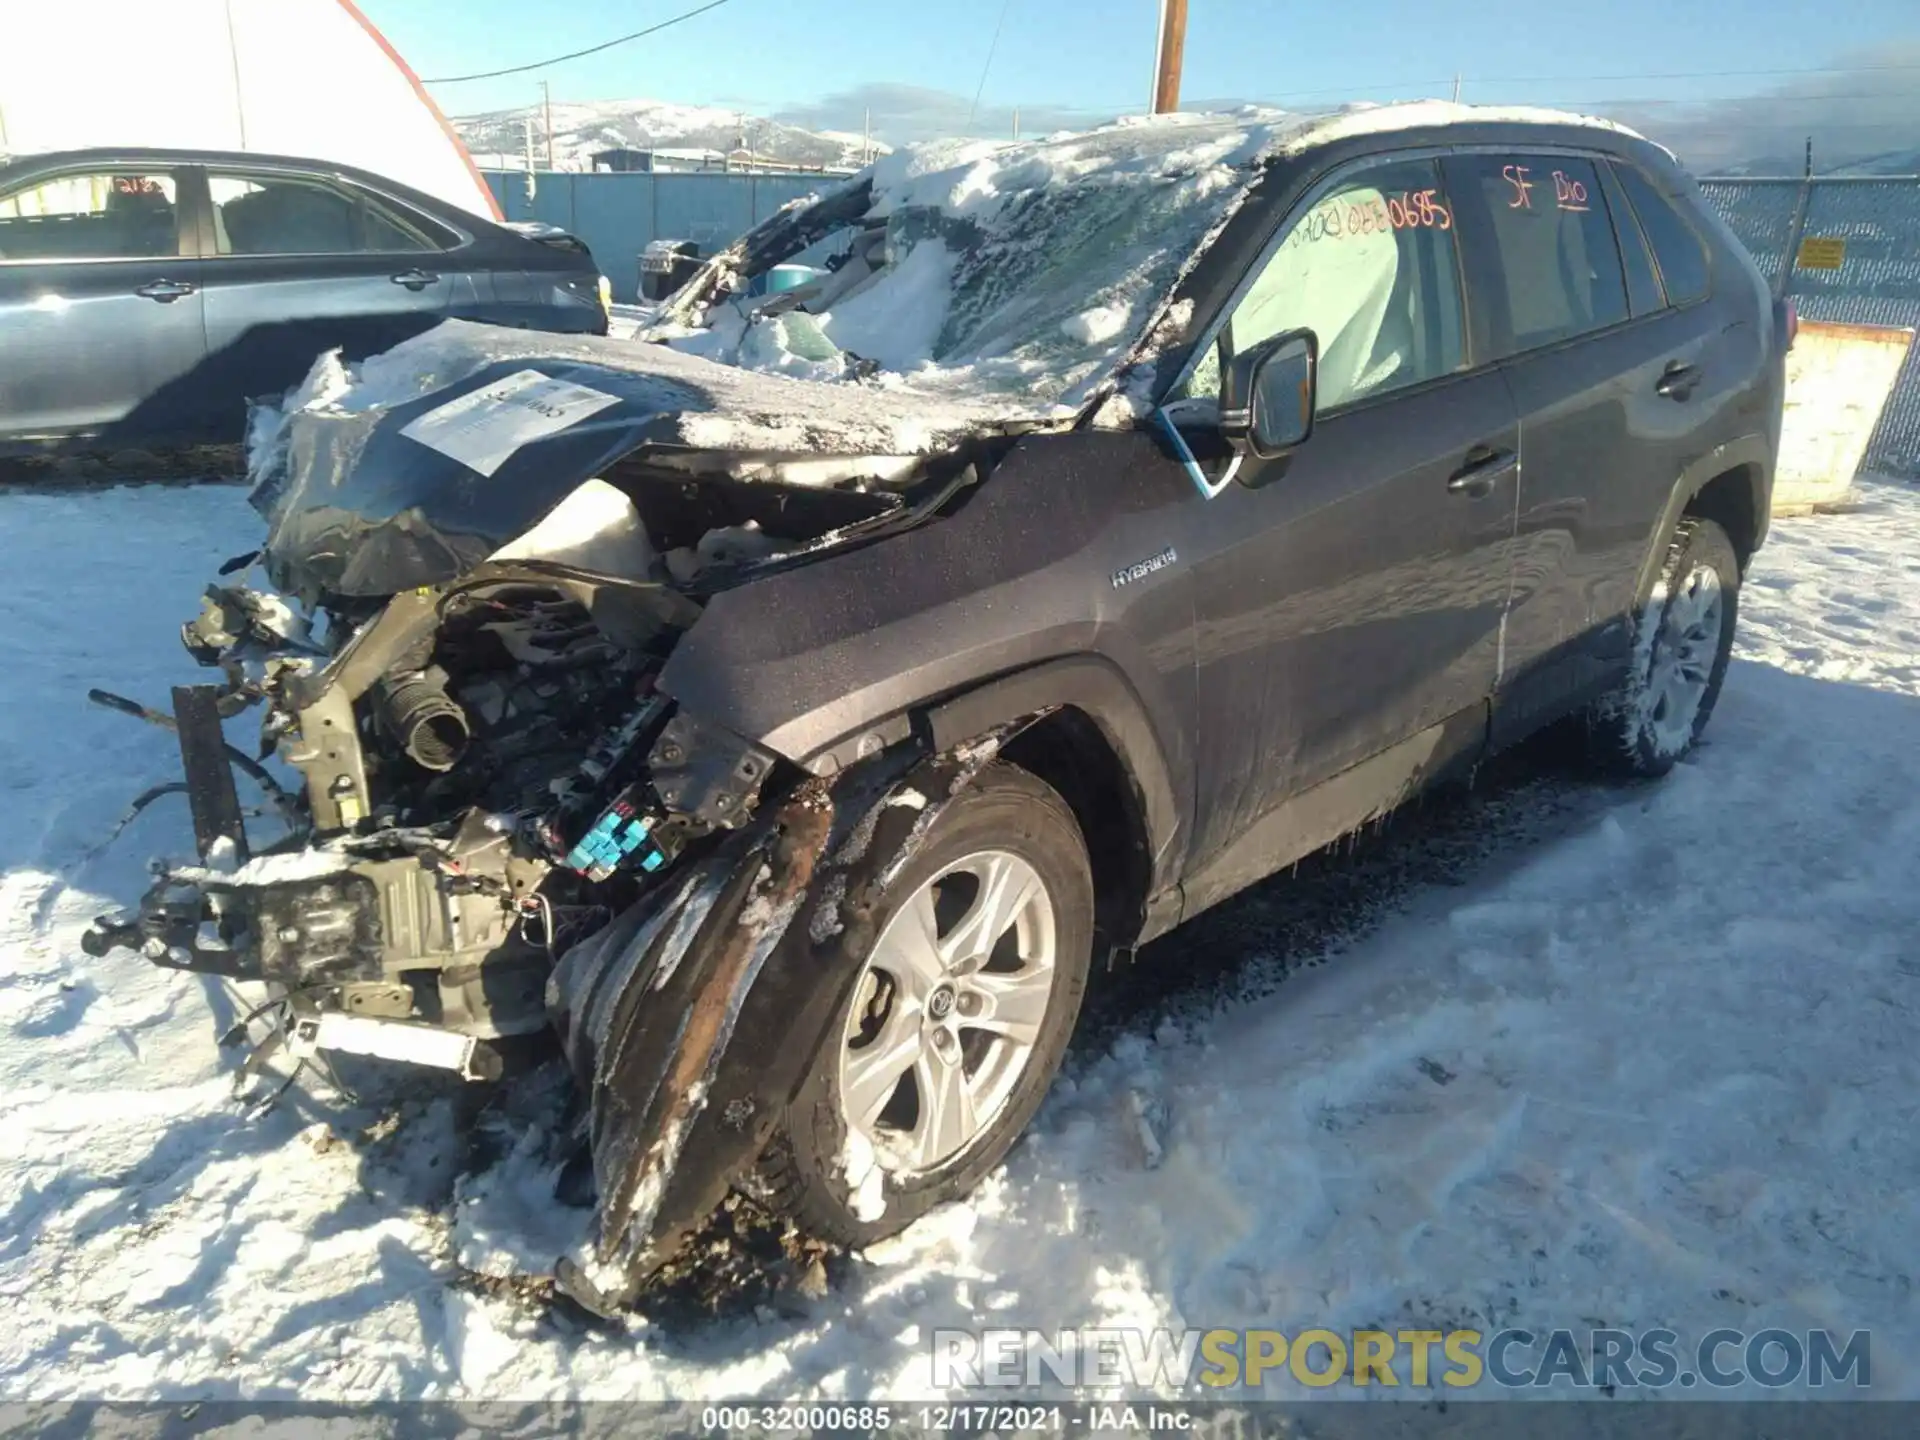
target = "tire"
x: 856, y: 1191
x: 1645, y: 726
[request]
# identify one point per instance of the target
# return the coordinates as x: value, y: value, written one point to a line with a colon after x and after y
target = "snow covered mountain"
x: 1892, y: 162
x: 1896, y: 162
x: 579, y: 130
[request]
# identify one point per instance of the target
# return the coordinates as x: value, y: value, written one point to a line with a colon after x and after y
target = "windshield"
x: 1021, y: 271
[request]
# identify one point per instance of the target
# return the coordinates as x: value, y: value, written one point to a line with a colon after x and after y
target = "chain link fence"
x: 1847, y: 250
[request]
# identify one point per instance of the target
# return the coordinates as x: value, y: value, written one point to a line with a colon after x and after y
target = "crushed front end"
x: 488, y: 775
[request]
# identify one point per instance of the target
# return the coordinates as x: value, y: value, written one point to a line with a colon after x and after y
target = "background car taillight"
x: 606, y: 297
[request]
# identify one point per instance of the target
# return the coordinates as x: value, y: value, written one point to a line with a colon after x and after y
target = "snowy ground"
x: 626, y: 319
x: 1647, y: 1059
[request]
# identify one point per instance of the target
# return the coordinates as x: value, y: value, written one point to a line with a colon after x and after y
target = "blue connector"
x: 615, y: 836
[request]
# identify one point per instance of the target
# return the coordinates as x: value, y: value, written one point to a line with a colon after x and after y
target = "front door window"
x: 1370, y: 267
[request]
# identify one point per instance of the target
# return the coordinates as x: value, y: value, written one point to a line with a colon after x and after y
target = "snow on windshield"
x: 1020, y: 271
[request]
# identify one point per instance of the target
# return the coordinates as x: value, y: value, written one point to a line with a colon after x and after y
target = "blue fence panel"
x: 618, y: 214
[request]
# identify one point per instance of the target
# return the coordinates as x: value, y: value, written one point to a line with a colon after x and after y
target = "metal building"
x: 294, y: 77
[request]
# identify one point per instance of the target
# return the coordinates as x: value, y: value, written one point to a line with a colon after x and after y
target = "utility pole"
x: 1016, y: 122
x: 1169, y: 55
x: 1456, y: 87
x: 546, y: 96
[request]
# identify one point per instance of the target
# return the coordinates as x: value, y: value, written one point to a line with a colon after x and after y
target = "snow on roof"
x: 1423, y: 114
x: 1163, y: 144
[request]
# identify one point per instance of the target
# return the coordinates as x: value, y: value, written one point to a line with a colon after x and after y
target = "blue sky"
x: 772, y: 56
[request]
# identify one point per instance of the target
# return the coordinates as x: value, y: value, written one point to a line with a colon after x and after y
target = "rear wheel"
x: 956, y: 1024
x: 1682, y: 645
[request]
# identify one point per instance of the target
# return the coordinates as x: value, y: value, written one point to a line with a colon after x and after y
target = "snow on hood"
x: 413, y: 467
x: 1025, y: 272
x: 706, y: 405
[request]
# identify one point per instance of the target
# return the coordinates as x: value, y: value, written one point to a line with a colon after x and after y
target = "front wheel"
x: 1683, y: 641
x: 956, y: 1024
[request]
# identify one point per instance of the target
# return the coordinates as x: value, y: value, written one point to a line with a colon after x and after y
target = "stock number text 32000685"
x: 868, y: 1419
x: 1348, y: 217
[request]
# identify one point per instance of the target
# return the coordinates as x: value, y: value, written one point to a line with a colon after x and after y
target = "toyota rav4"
x: 789, y: 712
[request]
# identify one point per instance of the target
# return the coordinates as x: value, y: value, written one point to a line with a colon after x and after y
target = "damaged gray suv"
x: 787, y: 713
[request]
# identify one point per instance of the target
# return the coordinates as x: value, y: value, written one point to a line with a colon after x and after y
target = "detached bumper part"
x: 466, y: 1055
x: 693, y: 1019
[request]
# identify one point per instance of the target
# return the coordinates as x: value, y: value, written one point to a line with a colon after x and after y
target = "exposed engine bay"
x: 489, y: 773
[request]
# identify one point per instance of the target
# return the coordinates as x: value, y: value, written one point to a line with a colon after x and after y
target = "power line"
x: 992, y: 49
x: 577, y: 54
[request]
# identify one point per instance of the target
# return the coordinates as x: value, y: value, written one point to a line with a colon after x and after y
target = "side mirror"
x: 1267, y: 394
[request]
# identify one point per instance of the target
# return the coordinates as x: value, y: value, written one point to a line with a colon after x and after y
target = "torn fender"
x: 693, y: 1020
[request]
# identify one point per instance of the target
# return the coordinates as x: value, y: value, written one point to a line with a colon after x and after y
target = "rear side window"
x: 1683, y: 260
x: 99, y: 216
x: 1370, y: 269
x: 292, y: 215
x: 1554, y: 261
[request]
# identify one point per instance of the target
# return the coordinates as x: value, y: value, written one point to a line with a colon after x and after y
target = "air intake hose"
x: 429, y: 725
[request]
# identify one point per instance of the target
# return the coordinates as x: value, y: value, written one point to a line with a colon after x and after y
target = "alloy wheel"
x: 1684, y: 651
x: 948, y: 1011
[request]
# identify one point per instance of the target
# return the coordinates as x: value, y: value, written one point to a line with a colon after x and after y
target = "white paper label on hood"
x: 482, y: 429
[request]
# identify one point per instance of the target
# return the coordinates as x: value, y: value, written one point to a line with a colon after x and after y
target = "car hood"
x: 413, y: 467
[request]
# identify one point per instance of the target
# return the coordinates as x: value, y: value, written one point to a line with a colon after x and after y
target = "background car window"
x: 1370, y: 269
x: 1643, y: 283
x: 1683, y: 261
x: 105, y: 216
x: 1559, y: 268
x: 285, y: 215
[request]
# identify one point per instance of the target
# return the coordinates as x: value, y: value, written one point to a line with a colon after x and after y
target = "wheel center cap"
x: 940, y: 1003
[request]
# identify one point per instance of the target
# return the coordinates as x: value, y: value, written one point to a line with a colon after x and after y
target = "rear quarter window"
x: 267, y: 214
x: 1643, y: 281
x: 1676, y: 245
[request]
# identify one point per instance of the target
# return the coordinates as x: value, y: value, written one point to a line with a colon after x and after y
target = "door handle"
x: 415, y: 279
x: 166, y: 291
x: 1483, y: 466
x: 1677, y: 380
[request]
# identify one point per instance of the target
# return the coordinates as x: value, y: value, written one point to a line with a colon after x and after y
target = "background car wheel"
x: 1681, y: 647
x: 956, y: 1024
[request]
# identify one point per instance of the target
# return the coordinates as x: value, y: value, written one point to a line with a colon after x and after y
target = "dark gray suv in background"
x: 146, y: 295
x: 792, y: 715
